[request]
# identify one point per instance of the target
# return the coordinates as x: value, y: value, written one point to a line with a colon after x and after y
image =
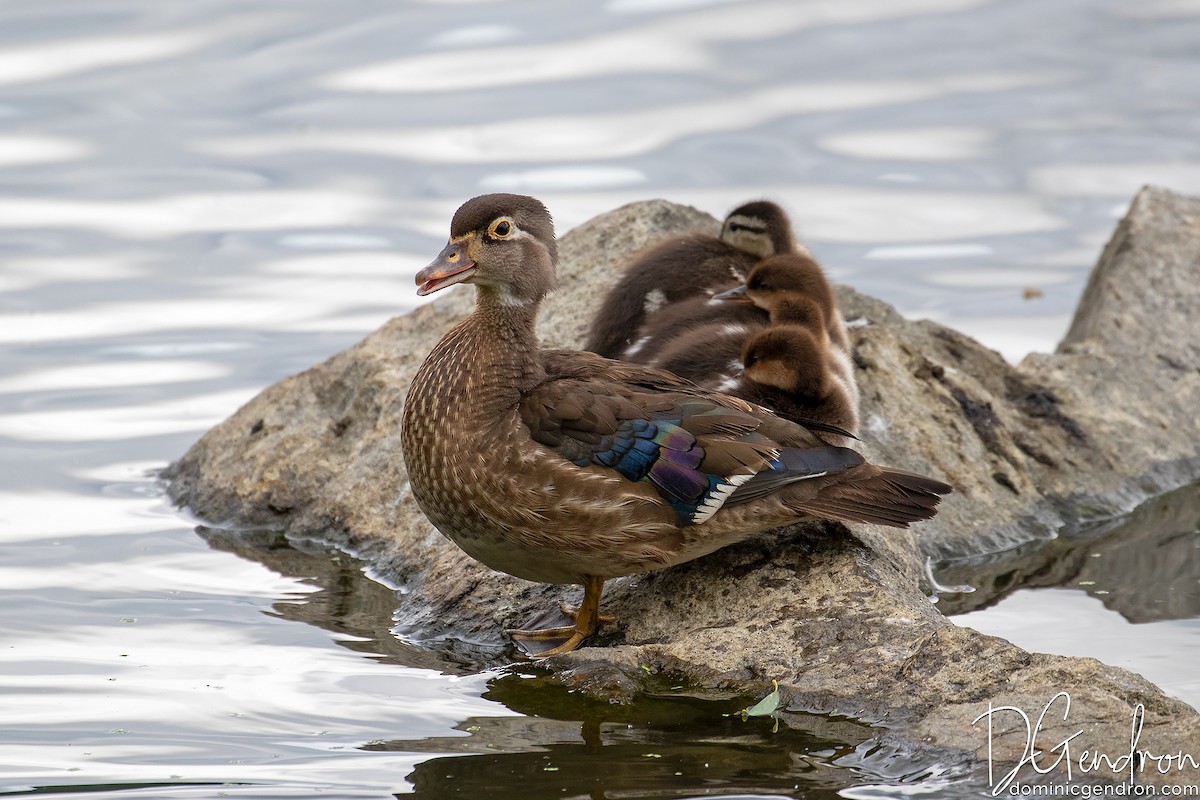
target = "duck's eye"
x: 751, y: 359
x: 501, y: 228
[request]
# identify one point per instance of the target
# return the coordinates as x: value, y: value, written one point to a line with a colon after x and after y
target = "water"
x: 198, y: 199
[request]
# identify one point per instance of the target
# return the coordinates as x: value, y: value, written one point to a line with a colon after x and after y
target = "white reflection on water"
x: 154, y: 698
x: 20, y: 150
x: 171, y: 215
x: 199, y: 675
x: 481, y: 68
x: 475, y: 35
x: 613, y: 134
x: 21, y: 274
x: 928, y: 251
x: 1114, y: 180
x: 676, y: 45
x: 1159, y: 9
x: 112, y: 373
x: 57, y: 59
x: 296, y: 304
x: 915, y: 144
x: 125, y: 422
x: 183, y: 572
x: 32, y: 516
x: 997, y: 277
x: 1035, y: 619
x: 562, y: 178
x: 656, y: 6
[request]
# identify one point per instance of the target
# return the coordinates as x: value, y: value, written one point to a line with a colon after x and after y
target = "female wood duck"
x: 565, y: 467
x: 686, y: 267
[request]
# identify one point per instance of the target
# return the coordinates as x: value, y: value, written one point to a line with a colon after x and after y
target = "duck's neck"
x: 492, y: 356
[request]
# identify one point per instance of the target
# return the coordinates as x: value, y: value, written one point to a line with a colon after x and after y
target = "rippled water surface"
x: 197, y: 199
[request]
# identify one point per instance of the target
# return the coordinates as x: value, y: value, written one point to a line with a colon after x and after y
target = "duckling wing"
x: 694, y: 451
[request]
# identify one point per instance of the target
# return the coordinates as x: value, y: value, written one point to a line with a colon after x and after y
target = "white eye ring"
x: 502, y: 228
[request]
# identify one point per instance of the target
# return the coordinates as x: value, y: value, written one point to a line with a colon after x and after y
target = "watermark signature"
x: 1072, y: 757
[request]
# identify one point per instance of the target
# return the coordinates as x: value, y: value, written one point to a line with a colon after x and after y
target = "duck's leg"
x: 573, y: 612
x: 587, y: 622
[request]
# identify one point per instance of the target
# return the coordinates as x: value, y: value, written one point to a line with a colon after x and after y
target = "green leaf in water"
x: 765, y: 707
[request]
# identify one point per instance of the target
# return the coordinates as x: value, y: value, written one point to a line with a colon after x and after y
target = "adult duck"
x: 565, y: 467
x: 685, y: 267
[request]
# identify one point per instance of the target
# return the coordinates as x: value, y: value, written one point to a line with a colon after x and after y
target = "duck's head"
x: 502, y: 243
x: 759, y: 228
x: 781, y: 278
x: 789, y: 358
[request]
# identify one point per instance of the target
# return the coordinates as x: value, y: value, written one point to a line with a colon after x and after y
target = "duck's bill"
x: 735, y: 295
x: 450, y: 267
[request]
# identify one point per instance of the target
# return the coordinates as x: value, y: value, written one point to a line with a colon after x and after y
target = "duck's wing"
x: 790, y: 432
x: 586, y: 366
x: 696, y: 452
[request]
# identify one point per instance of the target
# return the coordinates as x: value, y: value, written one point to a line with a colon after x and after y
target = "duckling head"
x: 782, y: 277
x: 759, y: 228
x: 802, y: 310
x: 502, y: 243
x: 789, y: 358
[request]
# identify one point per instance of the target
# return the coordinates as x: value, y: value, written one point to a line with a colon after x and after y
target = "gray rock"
x: 836, y: 617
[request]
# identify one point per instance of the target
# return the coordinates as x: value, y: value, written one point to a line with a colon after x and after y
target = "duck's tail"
x: 880, y: 496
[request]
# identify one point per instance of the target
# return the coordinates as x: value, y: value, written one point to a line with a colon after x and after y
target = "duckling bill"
x: 565, y: 467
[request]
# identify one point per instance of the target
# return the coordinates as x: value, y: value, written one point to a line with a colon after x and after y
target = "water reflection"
x: 1145, y: 565
x: 20, y: 150
x: 203, y: 198
x: 58, y: 59
x: 1129, y: 596
x: 346, y: 602
x: 668, y: 745
x: 672, y: 744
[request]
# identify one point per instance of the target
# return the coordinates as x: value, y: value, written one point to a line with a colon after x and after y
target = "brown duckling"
x: 788, y: 369
x: 683, y: 321
x: 565, y: 467
x: 792, y: 275
x: 684, y: 267
x: 775, y: 282
x: 797, y: 373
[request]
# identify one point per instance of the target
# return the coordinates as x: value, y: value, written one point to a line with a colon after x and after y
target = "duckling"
x: 565, y: 467
x: 792, y: 274
x: 788, y: 369
x: 684, y: 267
x: 799, y: 378
x: 776, y: 281
x: 684, y: 321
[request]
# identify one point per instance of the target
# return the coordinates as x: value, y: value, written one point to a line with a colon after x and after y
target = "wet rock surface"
x: 836, y: 616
